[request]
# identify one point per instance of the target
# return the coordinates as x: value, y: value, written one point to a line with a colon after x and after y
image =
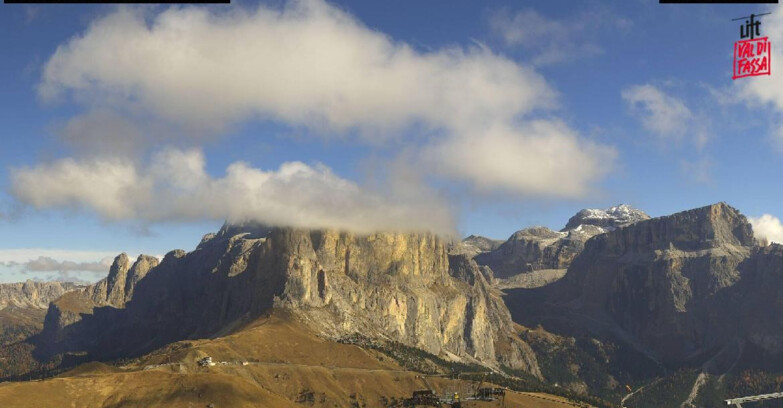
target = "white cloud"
x: 539, y: 158
x: 552, y: 40
x: 671, y: 121
x: 309, y: 64
x: 175, y: 186
x: 662, y: 114
x: 21, y: 255
x: 47, y: 264
x: 312, y: 65
x: 103, y: 132
x: 767, y: 227
x: 108, y: 186
x: 54, y: 264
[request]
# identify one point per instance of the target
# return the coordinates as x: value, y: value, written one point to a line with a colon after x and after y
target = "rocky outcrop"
x: 534, y: 249
x: 117, y: 288
x: 140, y: 268
x: 401, y: 287
x: 474, y: 245
x: 111, y: 290
x: 32, y: 294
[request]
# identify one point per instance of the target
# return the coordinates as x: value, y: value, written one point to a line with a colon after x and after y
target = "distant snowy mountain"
x: 539, y: 248
x: 609, y: 219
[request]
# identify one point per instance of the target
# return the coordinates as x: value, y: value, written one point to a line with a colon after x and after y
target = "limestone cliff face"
x: 23, y: 307
x: 385, y: 285
x: 117, y: 288
x: 659, y: 282
x: 540, y: 248
x: 31, y: 294
x: 398, y: 286
x: 114, y: 291
x: 111, y: 290
x: 750, y: 309
x: 655, y: 277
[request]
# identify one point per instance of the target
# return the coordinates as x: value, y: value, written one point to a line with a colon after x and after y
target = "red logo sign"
x: 751, y: 58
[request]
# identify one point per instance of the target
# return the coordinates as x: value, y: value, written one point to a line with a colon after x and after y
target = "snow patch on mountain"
x: 607, y: 219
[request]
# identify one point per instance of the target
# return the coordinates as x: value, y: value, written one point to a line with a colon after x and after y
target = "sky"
x: 139, y: 129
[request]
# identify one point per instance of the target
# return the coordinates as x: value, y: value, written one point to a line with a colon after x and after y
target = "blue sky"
x: 385, y: 109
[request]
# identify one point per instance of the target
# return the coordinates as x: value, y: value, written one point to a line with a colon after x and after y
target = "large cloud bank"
x: 473, y: 116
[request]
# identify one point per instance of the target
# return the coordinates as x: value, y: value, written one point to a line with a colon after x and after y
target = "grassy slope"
x: 287, y: 363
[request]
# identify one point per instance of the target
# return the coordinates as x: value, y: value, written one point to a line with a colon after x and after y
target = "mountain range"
x: 680, y: 309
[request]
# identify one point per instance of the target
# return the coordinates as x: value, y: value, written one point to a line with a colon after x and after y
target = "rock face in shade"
x: 403, y: 287
x: 676, y: 287
x: 114, y: 291
x: 23, y: 307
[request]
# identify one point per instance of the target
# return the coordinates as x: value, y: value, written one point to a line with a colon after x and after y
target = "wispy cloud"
x: 555, y: 40
x: 47, y: 264
x: 660, y: 113
x: 672, y: 122
x: 698, y: 171
x: 54, y: 264
x: 22, y: 255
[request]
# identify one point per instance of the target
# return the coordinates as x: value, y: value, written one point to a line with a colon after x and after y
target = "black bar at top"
x: 117, y: 1
x: 718, y: 1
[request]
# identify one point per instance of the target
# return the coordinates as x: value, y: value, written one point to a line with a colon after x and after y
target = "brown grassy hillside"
x: 273, y: 363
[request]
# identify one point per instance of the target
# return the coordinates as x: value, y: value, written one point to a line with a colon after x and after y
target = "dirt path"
x: 700, y: 380
x: 265, y: 363
x: 631, y: 394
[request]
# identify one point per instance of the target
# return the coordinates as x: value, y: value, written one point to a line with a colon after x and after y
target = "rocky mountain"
x: 608, y: 219
x: 684, y: 307
x: 117, y: 288
x: 32, y: 294
x: 23, y: 307
x: 474, y: 245
x: 114, y: 291
x: 387, y: 286
x: 693, y: 289
x: 540, y: 248
x: 657, y: 279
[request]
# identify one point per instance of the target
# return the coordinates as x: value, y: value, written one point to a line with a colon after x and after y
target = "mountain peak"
x: 699, y: 228
x: 609, y: 218
x: 536, y: 232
